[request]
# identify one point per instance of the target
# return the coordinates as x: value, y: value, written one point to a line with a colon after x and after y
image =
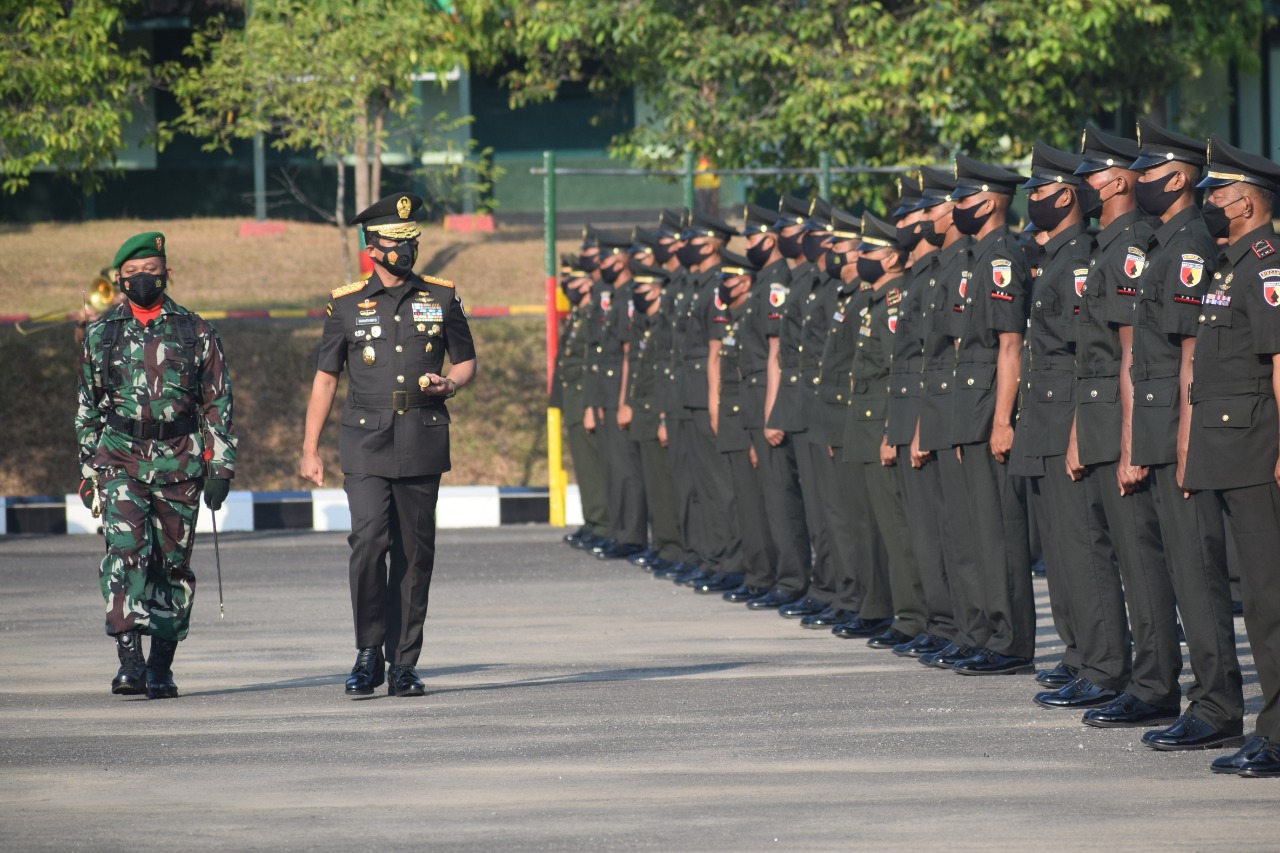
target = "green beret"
x: 146, y: 245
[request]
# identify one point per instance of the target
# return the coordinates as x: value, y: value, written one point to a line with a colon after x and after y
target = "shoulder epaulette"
x: 443, y: 282
x: 348, y: 289
x: 1263, y: 248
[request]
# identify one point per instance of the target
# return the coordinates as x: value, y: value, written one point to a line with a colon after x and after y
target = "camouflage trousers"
x: 145, y: 577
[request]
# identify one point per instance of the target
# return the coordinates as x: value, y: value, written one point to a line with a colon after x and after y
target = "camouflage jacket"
x: 153, y: 377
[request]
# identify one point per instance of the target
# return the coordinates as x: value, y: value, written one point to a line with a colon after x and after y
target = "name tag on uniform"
x: 366, y: 321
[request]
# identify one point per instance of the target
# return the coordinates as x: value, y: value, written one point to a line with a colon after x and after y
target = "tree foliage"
x: 67, y: 89
x: 877, y: 83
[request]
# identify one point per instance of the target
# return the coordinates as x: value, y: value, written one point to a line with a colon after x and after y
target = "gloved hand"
x: 215, y: 492
x: 88, y: 492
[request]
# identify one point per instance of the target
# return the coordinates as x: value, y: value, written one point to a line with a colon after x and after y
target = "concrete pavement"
x: 572, y: 705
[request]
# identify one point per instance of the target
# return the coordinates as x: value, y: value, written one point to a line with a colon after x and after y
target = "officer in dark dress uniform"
x: 391, y: 334
x: 1084, y: 587
x: 1232, y: 452
x: 1179, y: 265
x: 920, y: 484
x: 988, y: 318
x: 880, y: 266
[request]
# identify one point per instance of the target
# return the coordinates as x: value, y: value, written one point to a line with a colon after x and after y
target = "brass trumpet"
x: 100, y: 296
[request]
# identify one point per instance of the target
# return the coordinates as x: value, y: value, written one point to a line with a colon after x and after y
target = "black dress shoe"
x: 1038, y: 569
x: 804, y: 607
x: 1127, y: 711
x: 890, y: 639
x: 619, y: 551
x: 694, y: 576
x: 404, y: 681
x: 644, y: 558
x: 1264, y: 765
x: 1232, y: 763
x: 744, y: 593
x: 948, y: 657
x: 160, y: 669
x: 1237, y: 608
x: 923, y: 644
x: 1190, y: 732
x: 987, y: 662
x: 828, y: 618
x: 669, y: 571
x: 602, y: 545
x: 1080, y: 693
x: 719, y: 582
x: 369, y: 672
x: 131, y: 678
x: 774, y: 599
x: 857, y: 627
x: 1060, y: 676
x: 573, y: 539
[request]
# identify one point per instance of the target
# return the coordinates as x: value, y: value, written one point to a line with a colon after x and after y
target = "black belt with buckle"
x: 160, y: 430
x: 398, y: 400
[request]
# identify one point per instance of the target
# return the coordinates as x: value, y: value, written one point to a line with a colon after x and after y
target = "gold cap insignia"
x: 404, y: 206
x: 1084, y: 139
x: 159, y: 244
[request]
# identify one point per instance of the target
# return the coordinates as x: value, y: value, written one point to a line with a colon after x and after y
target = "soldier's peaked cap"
x: 671, y: 223
x: 1102, y: 151
x: 935, y: 187
x: 613, y: 242
x: 757, y: 219
x: 590, y: 239
x: 645, y: 274
x: 878, y: 234
x: 643, y: 241
x: 731, y: 265
x: 908, y: 195
x: 845, y: 226
x: 819, y: 216
x: 391, y: 216
x: 1228, y: 164
x: 974, y: 176
x: 1050, y: 165
x: 706, y: 225
x: 1158, y: 145
x: 792, y: 210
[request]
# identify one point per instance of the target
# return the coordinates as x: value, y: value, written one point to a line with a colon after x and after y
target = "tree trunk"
x: 362, y: 160
x: 340, y: 220
x: 375, y: 151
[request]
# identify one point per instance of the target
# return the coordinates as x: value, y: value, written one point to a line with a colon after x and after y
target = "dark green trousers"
x: 664, y: 527
x: 867, y: 575
x: 624, y: 478
x: 589, y: 472
x: 815, y: 520
x: 837, y: 531
x: 885, y: 493
x: 963, y: 574
x: 784, y: 512
x: 716, y: 513
x: 759, y: 556
x: 927, y: 527
x: 1058, y: 581
x: 684, y: 488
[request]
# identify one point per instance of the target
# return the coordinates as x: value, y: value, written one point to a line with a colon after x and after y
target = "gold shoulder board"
x: 443, y: 282
x: 348, y: 289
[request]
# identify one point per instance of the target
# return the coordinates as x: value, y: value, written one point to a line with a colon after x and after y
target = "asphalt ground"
x: 572, y: 705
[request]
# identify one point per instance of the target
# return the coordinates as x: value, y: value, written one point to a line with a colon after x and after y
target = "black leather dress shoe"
x: 131, y: 678
x: 987, y: 662
x: 1190, y: 732
x: 719, y: 582
x: 670, y: 570
x: 889, y: 639
x: 804, y: 607
x: 576, y: 536
x: 827, y: 619
x: 1237, y: 608
x: 948, y: 657
x: 160, y: 669
x: 619, y: 551
x: 1264, y: 765
x: 1060, y: 676
x: 602, y: 545
x: 923, y: 644
x: 1232, y: 763
x: 1126, y: 712
x: 1080, y: 693
x: 773, y: 599
x: 368, y: 673
x: 744, y: 593
x: 404, y: 681
x: 644, y: 558
x: 692, y: 577
x: 857, y: 627
x: 1038, y: 569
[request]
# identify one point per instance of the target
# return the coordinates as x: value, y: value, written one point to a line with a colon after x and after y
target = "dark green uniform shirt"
x: 873, y: 353
x: 835, y: 382
x: 908, y: 352
x: 939, y: 370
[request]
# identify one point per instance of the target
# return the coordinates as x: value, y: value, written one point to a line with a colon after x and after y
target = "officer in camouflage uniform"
x: 154, y: 429
x: 391, y: 334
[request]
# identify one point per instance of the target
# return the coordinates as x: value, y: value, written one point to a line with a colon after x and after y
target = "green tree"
x: 67, y: 89
x: 876, y: 83
x: 320, y: 76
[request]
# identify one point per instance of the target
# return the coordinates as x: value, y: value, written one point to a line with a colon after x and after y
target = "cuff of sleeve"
x: 221, y: 472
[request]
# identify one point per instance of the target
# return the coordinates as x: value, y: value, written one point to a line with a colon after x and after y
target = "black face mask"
x: 1090, y: 200
x: 691, y: 255
x: 1152, y: 196
x: 400, y: 258
x: 811, y: 245
x: 836, y: 261
x: 662, y: 251
x: 588, y: 263
x: 724, y: 294
x: 870, y: 271
x: 791, y: 247
x: 930, y: 234
x: 641, y: 301
x: 574, y: 295
x: 759, y: 253
x: 1216, y: 219
x: 610, y: 274
x: 1045, y: 213
x: 144, y: 289
x: 910, y: 238
x: 967, y: 219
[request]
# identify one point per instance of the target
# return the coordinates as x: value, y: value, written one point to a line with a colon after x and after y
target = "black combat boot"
x: 130, y: 680
x: 160, y: 669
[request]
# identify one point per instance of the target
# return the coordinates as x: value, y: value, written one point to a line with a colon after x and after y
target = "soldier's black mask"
x: 400, y: 258
x: 930, y: 234
x: 642, y: 301
x: 967, y: 219
x: 610, y: 274
x: 662, y: 251
x: 791, y: 247
x: 1152, y: 196
x: 910, y: 236
x: 144, y: 289
x: 869, y: 270
x: 836, y: 262
x: 1216, y: 219
x: 1043, y: 212
x: 760, y: 252
x: 573, y: 294
x: 588, y: 263
x: 812, y: 245
x: 691, y: 254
